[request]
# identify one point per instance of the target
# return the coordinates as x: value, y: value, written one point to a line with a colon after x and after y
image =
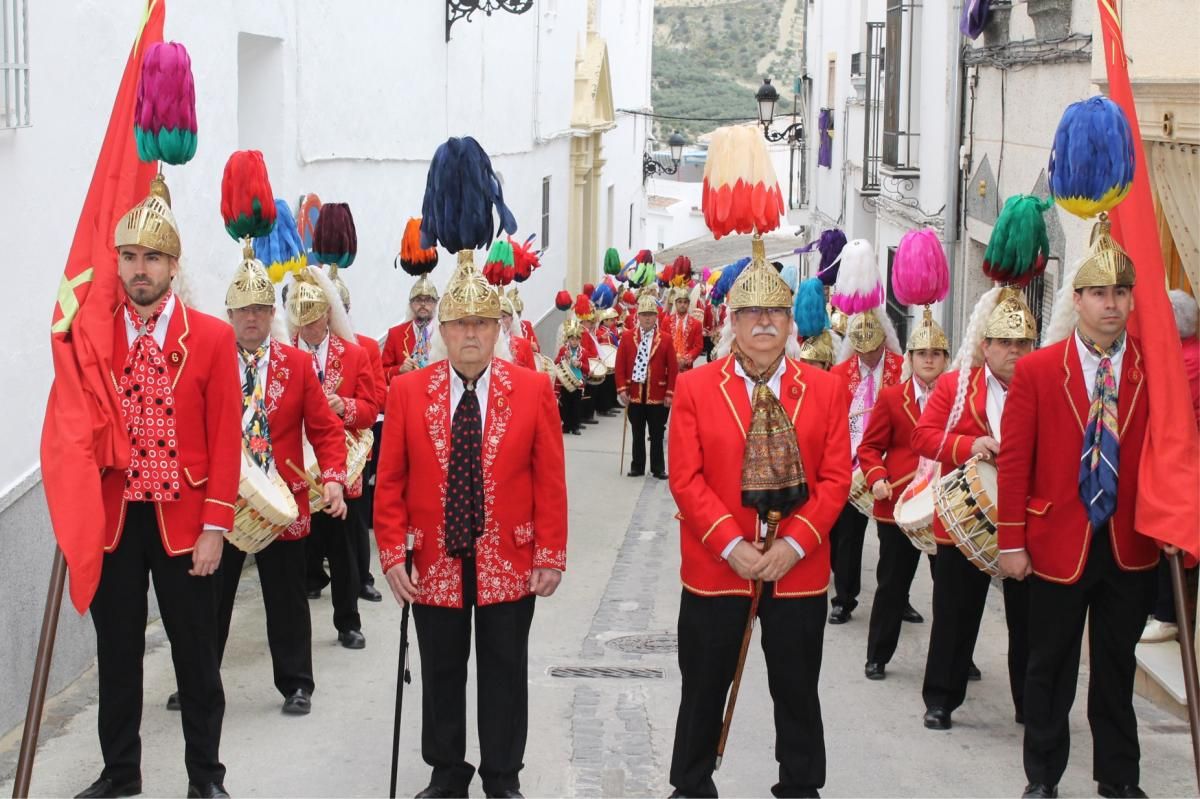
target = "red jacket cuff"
x: 217, y: 513
x: 719, y: 535
x: 803, y: 532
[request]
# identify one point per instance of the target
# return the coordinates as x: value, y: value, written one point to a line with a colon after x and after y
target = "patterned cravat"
x: 256, y: 434
x: 1100, y: 460
x: 464, y: 481
x: 318, y: 367
x: 421, y: 351
x: 148, y: 406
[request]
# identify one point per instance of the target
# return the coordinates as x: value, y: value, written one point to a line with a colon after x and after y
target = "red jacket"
x: 583, y: 359
x: 607, y: 335
x: 296, y: 402
x: 400, y: 342
x: 1044, y: 418
x: 376, y: 359
x: 525, y: 492
x: 208, y: 408
x: 522, y: 352
x: 660, y: 375
x: 850, y: 373
x: 529, y: 333
x: 927, y: 435
x: 689, y: 342
x: 886, y: 451
x: 709, y: 420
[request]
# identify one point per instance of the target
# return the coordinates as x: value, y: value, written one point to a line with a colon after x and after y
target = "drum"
x: 264, y: 509
x: 608, y: 356
x: 860, y: 494
x: 566, y: 377
x: 358, y: 449
x: 597, y: 371
x: 965, y: 500
x: 914, y: 509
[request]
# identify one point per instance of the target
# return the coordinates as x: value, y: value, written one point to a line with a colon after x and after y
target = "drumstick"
x: 308, y: 478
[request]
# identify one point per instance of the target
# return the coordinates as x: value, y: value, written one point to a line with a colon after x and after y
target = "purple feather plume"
x: 920, y: 272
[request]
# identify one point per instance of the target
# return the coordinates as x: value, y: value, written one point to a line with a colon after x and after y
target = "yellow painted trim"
x: 715, y: 524
x: 746, y: 592
x: 810, y: 526
x: 219, y: 502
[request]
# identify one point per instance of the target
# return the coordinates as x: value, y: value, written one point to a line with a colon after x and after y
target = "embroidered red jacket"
x: 851, y: 374
x: 1044, y: 418
x: 886, y: 451
x: 524, y: 483
x: 709, y: 420
x: 686, y: 337
x: 208, y: 404
x: 400, y: 342
x: 660, y: 372
x: 376, y: 360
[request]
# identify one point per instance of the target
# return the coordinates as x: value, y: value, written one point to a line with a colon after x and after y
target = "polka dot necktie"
x: 464, y: 481
x: 148, y: 407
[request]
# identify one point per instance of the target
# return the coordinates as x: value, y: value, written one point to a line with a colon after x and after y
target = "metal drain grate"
x: 656, y: 644
x: 610, y: 672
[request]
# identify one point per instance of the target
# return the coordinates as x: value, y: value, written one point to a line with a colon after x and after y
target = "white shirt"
x: 775, y: 384
x: 920, y: 392
x: 160, y: 327
x: 1091, y: 364
x: 996, y: 394
x: 457, y: 389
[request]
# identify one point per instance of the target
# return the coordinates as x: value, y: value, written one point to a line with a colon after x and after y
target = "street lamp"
x: 651, y: 166
x: 767, y: 96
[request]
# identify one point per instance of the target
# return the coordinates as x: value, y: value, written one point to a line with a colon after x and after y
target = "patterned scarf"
x: 677, y: 334
x: 1099, y: 462
x: 860, y: 408
x: 148, y: 407
x: 421, y: 350
x: 772, y: 472
x: 641, y: 361
x: 256, y: 434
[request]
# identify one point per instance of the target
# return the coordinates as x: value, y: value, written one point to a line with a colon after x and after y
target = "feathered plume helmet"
x: 809, y: 311
x: 920, y: 272
x: 306, y: 221
x: 499, y: 268
x: 281, y: 250
x: 335, y: 241
x: 583, y: 307
x: 830, y: 245
x: 562, y: 300
x: 605, y: 294
x: 858, y: 287
x: 1092, y: 160
x: 612, y: 261
x: 461, y: 191
x: 165, y: 112
x: 247, y: 203
x: 680, y: 271
x: 413, y: 258
x: 639, y: 271
x: 740, y: 192
x: 1019, y: 247
x: 525, y: 258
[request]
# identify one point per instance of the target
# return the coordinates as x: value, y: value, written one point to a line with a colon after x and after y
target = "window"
x: 897, y: 313
x: 901, y: 86
x: 14, y: 64
x: 871, y: 125
x: 546, y: 212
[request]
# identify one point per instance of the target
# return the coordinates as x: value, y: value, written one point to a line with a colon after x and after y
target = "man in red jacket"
x: 1008, y: 330
x: 725, y: 438
x: 646, y: 371
x: 686, y: 334
x: 1074, y: 424
x: 472, y: 472
x: 167, y: 512
x: 407, y: 344
x: 889, y: 463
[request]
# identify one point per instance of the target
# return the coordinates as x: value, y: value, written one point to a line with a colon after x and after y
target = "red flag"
x: 83, y: 433
x: 1169, y: 475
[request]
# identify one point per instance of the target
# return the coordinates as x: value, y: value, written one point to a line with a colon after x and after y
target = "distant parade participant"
x: 607, y: 335
x: 166, y: 513
x: 646, y: 372
x: 518, y: 304
x: 571, y: 356
x: 755, y: 429
x: 889, y: 463
x: 874, y: 363
x: 407, y: 344
x: 472, y: 467
x: 686, y: 333
x: 519, y: 347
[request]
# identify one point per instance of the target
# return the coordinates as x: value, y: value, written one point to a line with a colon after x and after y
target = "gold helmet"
x: 515, y: 298
x: 818, y: 348
x: 928, y: 335
x: 423, y: 288
x: 151, y: 223
x: 251, y: 285
x: 837, y: 320
x: 864, y: 331
x: 1011, y: 318
x: 306, y: 302
x: 1107, y: 264
x: 606, y: 314
x: 468, y: 293
x: 646, y: 303
x: 759, y: 285
x: 680, y: 293
x: 506, y: 305
x: 572, y: 328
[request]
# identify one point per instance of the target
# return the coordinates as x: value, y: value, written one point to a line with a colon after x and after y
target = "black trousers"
x: 332, y: 538
x: 358, y: 520
x: 641, y: 416
x: 845, y: 556
x: 605, y: 394
x: 898, y: 560
x: 502, y: 688
x: 289, y: 626
x: 959, y: 593
x: 568, y: 406
x: 710, y: 636
x: 1117, y: 602
x: 189, y: 613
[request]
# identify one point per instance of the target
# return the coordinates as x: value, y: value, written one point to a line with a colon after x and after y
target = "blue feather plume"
x: 791, y: 275
x: 1092, y: 161
x: 725, y: 282
x: 281, y: 251
x: 460, y: 192
x: 809, y: 309
x: 604, y: 296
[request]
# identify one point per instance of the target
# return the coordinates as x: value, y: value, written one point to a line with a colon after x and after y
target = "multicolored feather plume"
x: 281, y: 250
x: 920, y: 272
x: 247, y: 204
x: 165, y: 114
x: 335, y: 240
x: 1019, y: 247
x: 1092, y: 159
x: 740, y: 191
x: 415, y: 259
x: 499, y: 269
x: 858, y: 287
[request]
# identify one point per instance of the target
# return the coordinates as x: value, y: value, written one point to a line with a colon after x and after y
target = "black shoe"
x: 590, y: 421
x: 352, y: 639
x: 207, y: 790
x: 875, y: 671
x: 578, y: 431
x: 839, y: 615
x: 313, y: 593
x: 106, y: 787
x: 974, y: 674
x: 507, y: 793
x: 937, y: 718
x: 173, y: 701
x: 370, y: 593
x: 299, y: 703
x: 437, y: 792
x: 660, y: 475
x: 1107, y: 789
x: 911, y: 616
x: 1039, y: 790
x: 633, y: 473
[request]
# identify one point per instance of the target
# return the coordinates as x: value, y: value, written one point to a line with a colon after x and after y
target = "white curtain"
x: 1175, y: 175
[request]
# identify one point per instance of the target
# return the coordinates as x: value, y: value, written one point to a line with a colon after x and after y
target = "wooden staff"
x: 41, y: 676
x: 403, y: 674
x: 773, y: 518
x: 624, y: 431
x: 1187, y: 649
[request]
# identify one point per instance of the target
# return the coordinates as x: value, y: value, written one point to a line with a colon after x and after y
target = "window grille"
x: 14, y: 64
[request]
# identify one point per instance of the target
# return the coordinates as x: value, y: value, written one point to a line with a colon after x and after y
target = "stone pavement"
x: 607, y: 735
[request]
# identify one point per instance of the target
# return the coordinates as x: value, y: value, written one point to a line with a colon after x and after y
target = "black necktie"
x: 464, y: 495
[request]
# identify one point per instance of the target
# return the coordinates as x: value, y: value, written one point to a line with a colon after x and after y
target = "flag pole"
x: 41, y: 676
x: 1187, y: 649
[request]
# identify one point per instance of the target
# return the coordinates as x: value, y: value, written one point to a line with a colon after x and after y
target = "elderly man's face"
x: 762, y: 333
x: 315, y: 331
x: 647, y: 320
x: 470, y: 342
